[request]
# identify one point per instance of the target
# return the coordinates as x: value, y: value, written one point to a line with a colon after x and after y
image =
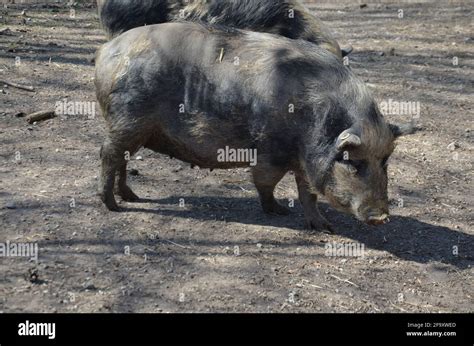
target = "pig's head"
x: 351, y: 171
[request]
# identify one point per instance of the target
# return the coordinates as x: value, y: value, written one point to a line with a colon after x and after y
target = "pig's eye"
x: 354, y: 166
x: 357, y: 164
x: 385, y: 162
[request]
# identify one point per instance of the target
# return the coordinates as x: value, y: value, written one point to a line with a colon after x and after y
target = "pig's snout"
x: 375, y: 215
x: 377, y: 219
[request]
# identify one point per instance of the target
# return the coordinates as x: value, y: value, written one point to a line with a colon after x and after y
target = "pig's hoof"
x: 276, y: 209
x: 110, y: 203
x: 112, y: 206
x: 127, y: 194
x: 320, y: 225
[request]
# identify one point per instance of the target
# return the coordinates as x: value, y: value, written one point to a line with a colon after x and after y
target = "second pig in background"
x: 287, y: 18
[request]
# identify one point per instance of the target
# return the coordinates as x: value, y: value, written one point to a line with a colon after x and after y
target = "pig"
x: 190, y: 91
x: 288, y: 18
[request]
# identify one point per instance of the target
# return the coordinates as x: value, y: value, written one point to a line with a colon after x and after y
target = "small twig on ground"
x: 316, y: 286
x: 233, y: 181
x: 221, y: 56
x: 399, y: 308
x: 39, y: 116
x: 18, y: 86
x: 447, y: 205
x: 344, y: 280
x: 36, y: 194
x: 310, y: 284
x: 248, y: 191
x: 172, y: 242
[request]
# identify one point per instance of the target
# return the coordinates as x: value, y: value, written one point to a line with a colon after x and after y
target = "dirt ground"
x: 219, y: 252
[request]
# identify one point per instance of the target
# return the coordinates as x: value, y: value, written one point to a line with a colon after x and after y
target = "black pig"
x: 196, y: 92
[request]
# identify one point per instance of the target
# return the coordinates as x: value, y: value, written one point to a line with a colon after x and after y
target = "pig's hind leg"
x: 266, y: 177
x: 107, y: 175
x: 115, y: 151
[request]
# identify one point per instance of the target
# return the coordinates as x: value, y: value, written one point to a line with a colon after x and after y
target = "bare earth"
x: 219, y: 252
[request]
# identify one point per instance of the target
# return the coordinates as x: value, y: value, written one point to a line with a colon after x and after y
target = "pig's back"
x: 203, y: 88
x: 179, y: 72
x: 226, y: 64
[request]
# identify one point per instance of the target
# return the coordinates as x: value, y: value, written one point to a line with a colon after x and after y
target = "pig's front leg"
x: 314, y: 219
x: 266, y: 177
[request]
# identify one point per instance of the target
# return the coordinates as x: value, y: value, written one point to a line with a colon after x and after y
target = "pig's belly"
x: 204, y: 146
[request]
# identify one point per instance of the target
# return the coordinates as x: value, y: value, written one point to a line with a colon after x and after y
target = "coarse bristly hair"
x: 272, y: 16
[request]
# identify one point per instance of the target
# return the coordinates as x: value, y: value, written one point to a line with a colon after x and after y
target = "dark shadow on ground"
x: 404, y: 237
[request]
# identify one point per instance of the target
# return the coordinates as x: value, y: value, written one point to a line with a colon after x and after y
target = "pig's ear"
x: 403, y: 130
x: 346, y: 51
x: 347, y: 139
